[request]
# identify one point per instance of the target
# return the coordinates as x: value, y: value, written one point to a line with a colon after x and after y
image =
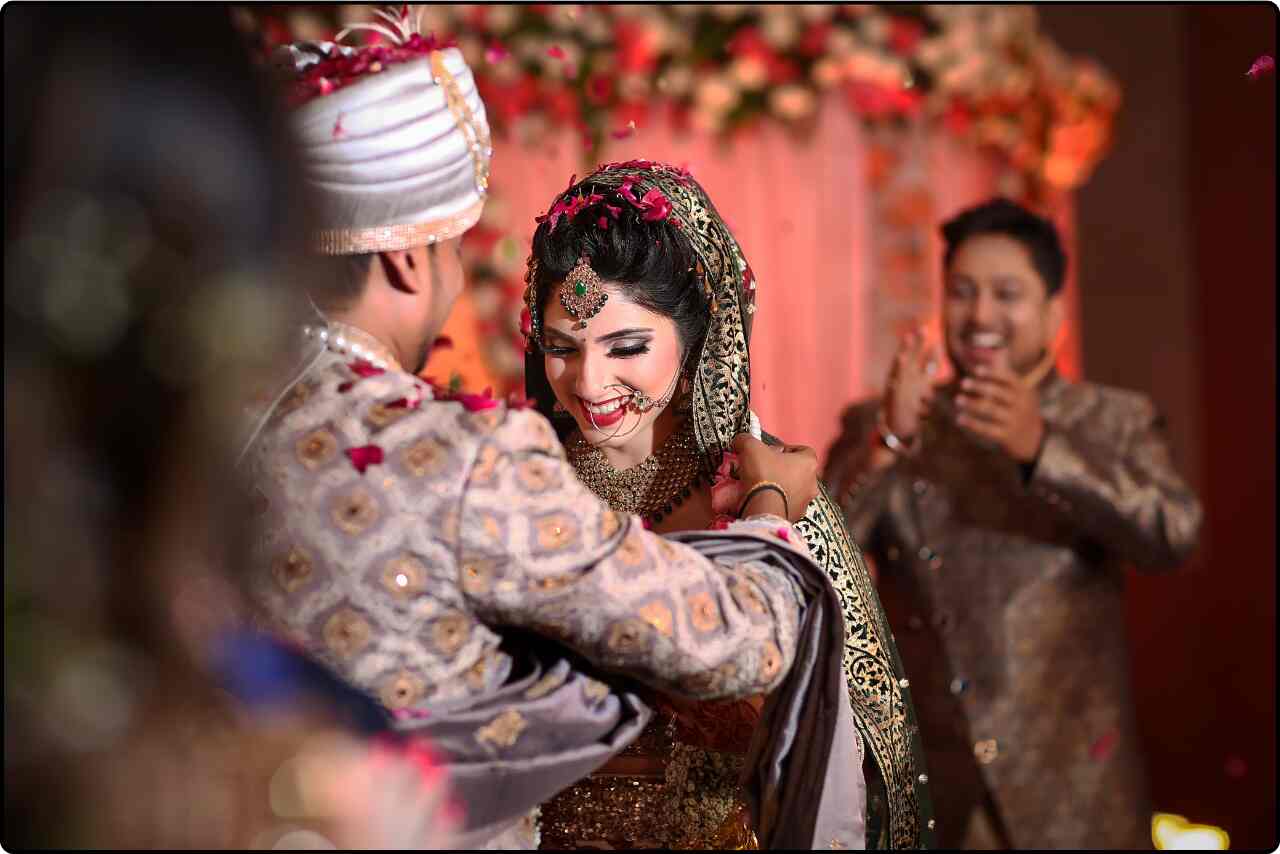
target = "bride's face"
x: 595, y: 372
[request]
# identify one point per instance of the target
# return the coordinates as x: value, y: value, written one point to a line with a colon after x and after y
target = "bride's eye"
x: 629, y: 351
x: 557, y: 351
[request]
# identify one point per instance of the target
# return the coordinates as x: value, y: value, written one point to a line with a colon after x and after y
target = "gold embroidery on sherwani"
x: 477, y: 576
x: 703, y: 613
x: 535, y: 476
x: 355, y: 511
x: 503, y: 730
x: 449, y: 633
x: 404, y: 576
x: 317, y: 448
x: 292, y: 570
x: 402, y: 689
x: 770, y: 660
x: 545, y: 685
x: 658, y: 614
x: 294, y: 401
x: 346, y: 633
x: 557, y: 531
x: 425, y: 457
x: 627, y: 636
x: 594, y: 690
x: 381, y: 414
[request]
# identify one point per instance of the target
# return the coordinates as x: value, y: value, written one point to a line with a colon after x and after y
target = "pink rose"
x: 656, y: 205
x: 726, y: 489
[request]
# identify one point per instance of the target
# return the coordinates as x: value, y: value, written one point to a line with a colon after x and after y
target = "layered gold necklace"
x: 652, y: 488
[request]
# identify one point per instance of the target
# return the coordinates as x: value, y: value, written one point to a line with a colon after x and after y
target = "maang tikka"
x: 582, y: 294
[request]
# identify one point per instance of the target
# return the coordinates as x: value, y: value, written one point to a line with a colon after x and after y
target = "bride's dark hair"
x: 651, y: 261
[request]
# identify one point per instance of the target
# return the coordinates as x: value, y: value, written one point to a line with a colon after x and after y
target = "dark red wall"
x: 1176, y: 260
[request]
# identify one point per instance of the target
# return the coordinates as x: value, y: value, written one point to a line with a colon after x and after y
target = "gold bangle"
x: 761, y: 486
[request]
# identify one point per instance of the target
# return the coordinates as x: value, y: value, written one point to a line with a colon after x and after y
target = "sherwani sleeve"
x: 1126, y: 494
x: 537, y: 550
x: 861, y: 493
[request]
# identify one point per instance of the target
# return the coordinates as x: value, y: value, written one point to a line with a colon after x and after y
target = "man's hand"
x: 793, y: 467
x: 995, y: 404
x: 909, y: 390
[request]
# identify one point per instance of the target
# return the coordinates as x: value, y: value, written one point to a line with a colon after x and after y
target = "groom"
x: 434, y: 551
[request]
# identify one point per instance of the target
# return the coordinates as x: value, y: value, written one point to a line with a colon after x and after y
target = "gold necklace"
x: 652, y: 488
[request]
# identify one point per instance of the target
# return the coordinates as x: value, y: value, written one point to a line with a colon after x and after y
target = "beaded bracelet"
x: 763, y: 485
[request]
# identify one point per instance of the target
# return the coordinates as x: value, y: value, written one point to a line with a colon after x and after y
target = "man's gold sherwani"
x: 1004, y: 588
x: 422, y: 547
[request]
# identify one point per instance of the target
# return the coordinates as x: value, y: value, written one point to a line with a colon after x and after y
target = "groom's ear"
x: 401, y: 271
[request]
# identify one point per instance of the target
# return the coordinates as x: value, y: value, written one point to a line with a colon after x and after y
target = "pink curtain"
x: 839, y: 227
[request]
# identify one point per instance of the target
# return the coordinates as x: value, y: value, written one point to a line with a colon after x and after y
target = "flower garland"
x: 984, y: 73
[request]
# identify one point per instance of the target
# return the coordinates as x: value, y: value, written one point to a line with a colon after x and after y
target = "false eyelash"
x: 628, y: 352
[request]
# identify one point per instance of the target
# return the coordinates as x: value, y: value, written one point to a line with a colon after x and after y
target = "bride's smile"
x: 616, y: 377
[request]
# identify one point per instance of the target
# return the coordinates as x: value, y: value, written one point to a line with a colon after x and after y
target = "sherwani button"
x: 958, y: 686
x: 925, y: 553
x: 920, y: 487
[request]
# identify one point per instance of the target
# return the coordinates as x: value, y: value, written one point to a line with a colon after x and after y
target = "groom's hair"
x: 340, y: 279
x: 1002, y: 216
x: 652, y: 262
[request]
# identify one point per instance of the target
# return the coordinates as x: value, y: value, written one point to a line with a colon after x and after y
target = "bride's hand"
x: 793, y: 467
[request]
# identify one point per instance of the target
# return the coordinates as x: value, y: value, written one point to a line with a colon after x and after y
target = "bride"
x: 639, y: 306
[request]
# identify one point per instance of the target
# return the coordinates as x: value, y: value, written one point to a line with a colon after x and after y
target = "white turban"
x: 400, y: 157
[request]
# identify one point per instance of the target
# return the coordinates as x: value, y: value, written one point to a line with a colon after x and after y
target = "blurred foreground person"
x: 1002, y: 509
x: 149, y: 210
x: 440, y: 552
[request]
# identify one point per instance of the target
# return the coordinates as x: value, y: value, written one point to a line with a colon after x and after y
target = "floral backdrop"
x: 598, y: 78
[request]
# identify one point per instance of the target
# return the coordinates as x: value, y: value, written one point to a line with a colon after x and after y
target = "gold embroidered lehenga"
x: 678, y: 785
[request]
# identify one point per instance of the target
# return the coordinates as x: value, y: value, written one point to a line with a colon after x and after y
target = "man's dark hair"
x: 1002, y: 216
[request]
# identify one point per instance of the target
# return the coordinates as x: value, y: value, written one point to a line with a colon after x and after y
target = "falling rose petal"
x: 365, y: 369
x: 495, y: 53
x: 721, y: 522
x: 625, y: 132
x: 343, y: 388
x: 1261, y: 66
x: 783, y: 534
x: 1235, y: 767
x: 648, y: 526
x: 337, y: 127
x: 326, y: 86
x: 555, y: 52
x: 1102, y: 749
x: 443, y: 342
x: 603, y: 222
x: 516, y: 400
x: 476, y: 402
x: 364, y: 456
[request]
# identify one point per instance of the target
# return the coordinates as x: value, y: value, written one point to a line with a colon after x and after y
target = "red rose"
x: 364, y: 456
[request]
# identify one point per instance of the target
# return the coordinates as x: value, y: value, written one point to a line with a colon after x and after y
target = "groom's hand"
x: 792, y: 467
